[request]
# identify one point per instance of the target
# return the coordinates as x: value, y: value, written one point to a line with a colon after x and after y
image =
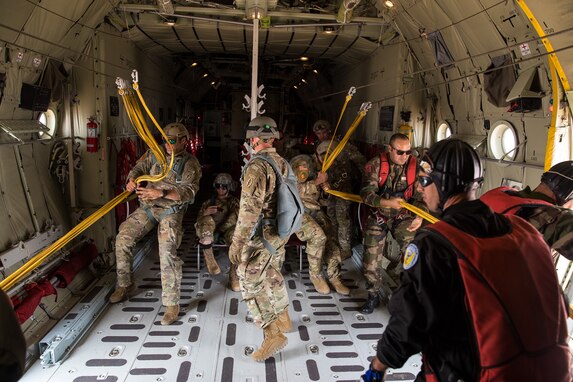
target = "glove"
x: 372, y: 375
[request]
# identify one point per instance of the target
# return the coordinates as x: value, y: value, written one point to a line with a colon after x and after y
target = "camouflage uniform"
x: 555, y: 223
x: 344, y: 172
x: 262, y: 284
x: 168, y: 214
x: 383, y: 220
x: 223, y: 221
x: 319, y: 234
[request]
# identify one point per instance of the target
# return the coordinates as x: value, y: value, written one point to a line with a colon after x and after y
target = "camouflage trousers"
x: 262, y: 284
x: 205, y: 227
x: 332, y: 253
x: 374, y: 243
x: 169, y: 234
x: 311, y: 233
x: 338, y: 210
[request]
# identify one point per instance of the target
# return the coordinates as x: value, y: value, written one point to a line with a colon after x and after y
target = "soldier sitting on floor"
x: 218, y: 216
x: 317, y: 230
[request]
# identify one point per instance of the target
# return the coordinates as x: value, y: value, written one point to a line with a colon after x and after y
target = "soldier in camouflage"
x: 259, y: 270
x: 218, y: 215
x: 162, y: 203
x: 388, y: 216
x: 317, y: 230
x: 547, y: 207
x: 342, y: 175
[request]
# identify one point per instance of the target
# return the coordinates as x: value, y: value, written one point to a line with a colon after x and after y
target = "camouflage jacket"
x: 346, y: 169
x: 396, y: 182
x: 187, y: 187
x: 555, y: 223
x: 227, y: 211
x: 258, y: 195
x: 310, y: 195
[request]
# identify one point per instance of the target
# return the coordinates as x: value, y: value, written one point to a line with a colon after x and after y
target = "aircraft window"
x: 444, y: 131
x: 503, y: 141
x: 48, y: 118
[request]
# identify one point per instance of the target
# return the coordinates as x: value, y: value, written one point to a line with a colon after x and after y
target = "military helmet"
x: 323, y: 147
x: 453, y: 165
x: 176, y: 129
x: 559, y: 179
x: 321, y: 124
x: 226, y: 179
x: 302, y: 167
x: 263, y: 127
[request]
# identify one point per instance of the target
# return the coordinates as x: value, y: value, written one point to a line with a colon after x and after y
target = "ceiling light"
x: 315, y: 71
x: 256, y: 9
x: 304, y: 58
x: 194, y: 64
x: 212, y: 82
x: 205, y: 75
x: 303, y: 80
x: 171, y: 21
x: 389, y: 4
x: 329, y: 29
x: 296, y: 87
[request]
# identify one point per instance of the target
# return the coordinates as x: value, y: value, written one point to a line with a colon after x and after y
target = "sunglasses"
x: 425, y: 181
x: 221, y: 185
x: 401, y: 152
x: 173, y: 140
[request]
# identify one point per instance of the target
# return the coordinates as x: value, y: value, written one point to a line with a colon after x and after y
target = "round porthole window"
x: 502, y: 141
x: 48, y: 119
x: 444, y: 131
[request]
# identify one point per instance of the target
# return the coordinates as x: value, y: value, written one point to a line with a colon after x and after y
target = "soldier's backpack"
x: 289, y: 204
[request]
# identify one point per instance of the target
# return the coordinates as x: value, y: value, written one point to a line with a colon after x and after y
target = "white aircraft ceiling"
x: 219, y: 35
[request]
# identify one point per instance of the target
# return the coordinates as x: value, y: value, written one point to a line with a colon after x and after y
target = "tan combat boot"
x: 283, y: 322
x: 320, y: 284
x: 121, y: 293
x: 274, y: 342
x: 212, y: 266
x: 339, y: 286
x: 171, y: 315
x: 234, y: 279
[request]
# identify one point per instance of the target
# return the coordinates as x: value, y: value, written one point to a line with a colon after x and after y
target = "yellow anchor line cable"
x: 138, y: 121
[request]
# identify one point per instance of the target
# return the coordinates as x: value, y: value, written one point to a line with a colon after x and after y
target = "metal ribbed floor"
x: 331, y: 339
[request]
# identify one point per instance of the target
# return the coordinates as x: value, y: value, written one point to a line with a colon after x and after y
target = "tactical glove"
x: 372, y: 375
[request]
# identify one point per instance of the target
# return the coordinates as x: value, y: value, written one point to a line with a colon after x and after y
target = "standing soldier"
x: 342, y: 175
x: 259, y: 270
x: 547, y: 207
x: 218, y: 215
x: 389, y: 178
x: 317, y: 231
x: 162, y: 203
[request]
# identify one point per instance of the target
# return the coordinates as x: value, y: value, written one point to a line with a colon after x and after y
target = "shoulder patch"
x: 411, y: 256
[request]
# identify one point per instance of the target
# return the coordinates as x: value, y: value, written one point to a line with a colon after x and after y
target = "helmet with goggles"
x: 302, y: 165
x: 176, y: 129
x: 263, y: 127
x: 224, y: 179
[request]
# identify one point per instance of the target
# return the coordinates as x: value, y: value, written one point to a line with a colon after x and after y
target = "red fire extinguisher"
x: 92, y: 136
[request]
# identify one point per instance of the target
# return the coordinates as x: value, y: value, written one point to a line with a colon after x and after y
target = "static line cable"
x: 138, y: 120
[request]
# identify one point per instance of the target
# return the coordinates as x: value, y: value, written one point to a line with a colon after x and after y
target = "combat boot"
x: 339, y: 287
x: 320, y: 284
x: 274, y: 342
x: 234, y: 279
x: 121, y: 293
x: 171, y: 315
x: 283, y: 322
x: 212, y: 266
x: 371, y: 304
